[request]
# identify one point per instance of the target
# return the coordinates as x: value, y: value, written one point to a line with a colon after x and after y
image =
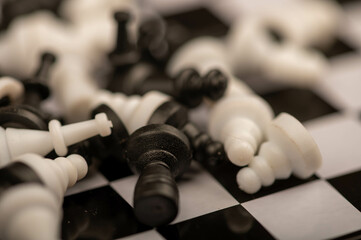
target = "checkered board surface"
x: 325, y: 206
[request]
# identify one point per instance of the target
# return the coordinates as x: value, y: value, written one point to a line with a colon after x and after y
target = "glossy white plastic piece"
x: 251, y: 49
x: 239, y: 122
x: 30, y: 212
x: 30, y: 35
x: 147, y: 105
x: 290, y: 148
x: 59, y: 174
x: 16, y: 142
x: 73, y: 87
x: 134, y: 111
x: 11, y: 88
x: 306, y: 23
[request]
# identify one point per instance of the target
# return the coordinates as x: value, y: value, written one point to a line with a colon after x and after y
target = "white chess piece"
x: 239, y: 122
x: 251, y: 49
x: 32, y: 211
x: 15, y: 142
x: 12, y: 88
x: 305, y: 23
x: 289, y: 149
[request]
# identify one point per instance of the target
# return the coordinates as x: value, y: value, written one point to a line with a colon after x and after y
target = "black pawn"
x: 159, y: 153
x: 125, y: 53
x: 206, y: 150
x: 36, y: 88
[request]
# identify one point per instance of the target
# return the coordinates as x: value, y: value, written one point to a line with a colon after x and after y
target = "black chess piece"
x: 152, y: 40
x: 111, y: 145
x: 188, y: 87
x: 205, y: 149
x: 36, y: 87
x: 125, y: 52
x: 28, y: 114
x: 160, y: 153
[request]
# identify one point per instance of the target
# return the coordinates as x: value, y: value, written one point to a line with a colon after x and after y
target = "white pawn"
x: 15, y: 142
x: 135, y: 111
x: 251, y: 49
x: 239, y: 122
x: 32, y: 211
x: 289, y: 149
x: 11, y: 88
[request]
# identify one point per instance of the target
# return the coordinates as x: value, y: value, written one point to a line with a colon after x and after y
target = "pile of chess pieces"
x: 120, y: 82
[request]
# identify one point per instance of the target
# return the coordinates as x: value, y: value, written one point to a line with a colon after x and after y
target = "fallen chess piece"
x: 23, y: 108
x: 159, y: 153
x: 239, y: 122
x: 289, y: 149
x: 305, y: 23
x: 32, y: 191
x: 134, y: 111
x: 251, y: 49
x: 15, y: 142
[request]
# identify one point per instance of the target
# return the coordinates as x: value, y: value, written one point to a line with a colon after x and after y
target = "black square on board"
x: 230, y: 223
x: 98, y: 214
x: 348, y: 185
x: 303, y: 104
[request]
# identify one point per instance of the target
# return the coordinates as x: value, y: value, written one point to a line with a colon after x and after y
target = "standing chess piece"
x: 289, y: 149
x: 31, y: 194
x: 159, y: 153
x: 125, y: 52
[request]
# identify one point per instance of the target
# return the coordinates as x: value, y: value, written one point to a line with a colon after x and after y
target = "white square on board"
x: 92, y: 181
x: 199, y: 193
x: 341, y: 86
x: 149, y: 235
x: 338, y: 136
x: 313, y: 210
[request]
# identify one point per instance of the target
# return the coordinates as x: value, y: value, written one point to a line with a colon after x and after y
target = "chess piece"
x: 157, y: 108
x: 251, y: 49
x: 125, y: 53
x: 15, y: 142
x: 111, y: 145
x: 11, y: 90
x: 152, y: 36
x: 159, y: 153
x: 239, y: 122
x: 187, y: 87
x: 33, y: 187
x: 26, y: 114
x: 307, y: 23
x: 289, y: 149
x: 36, y: 89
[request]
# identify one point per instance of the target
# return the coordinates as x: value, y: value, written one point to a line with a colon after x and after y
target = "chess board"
x: 325, y: 206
